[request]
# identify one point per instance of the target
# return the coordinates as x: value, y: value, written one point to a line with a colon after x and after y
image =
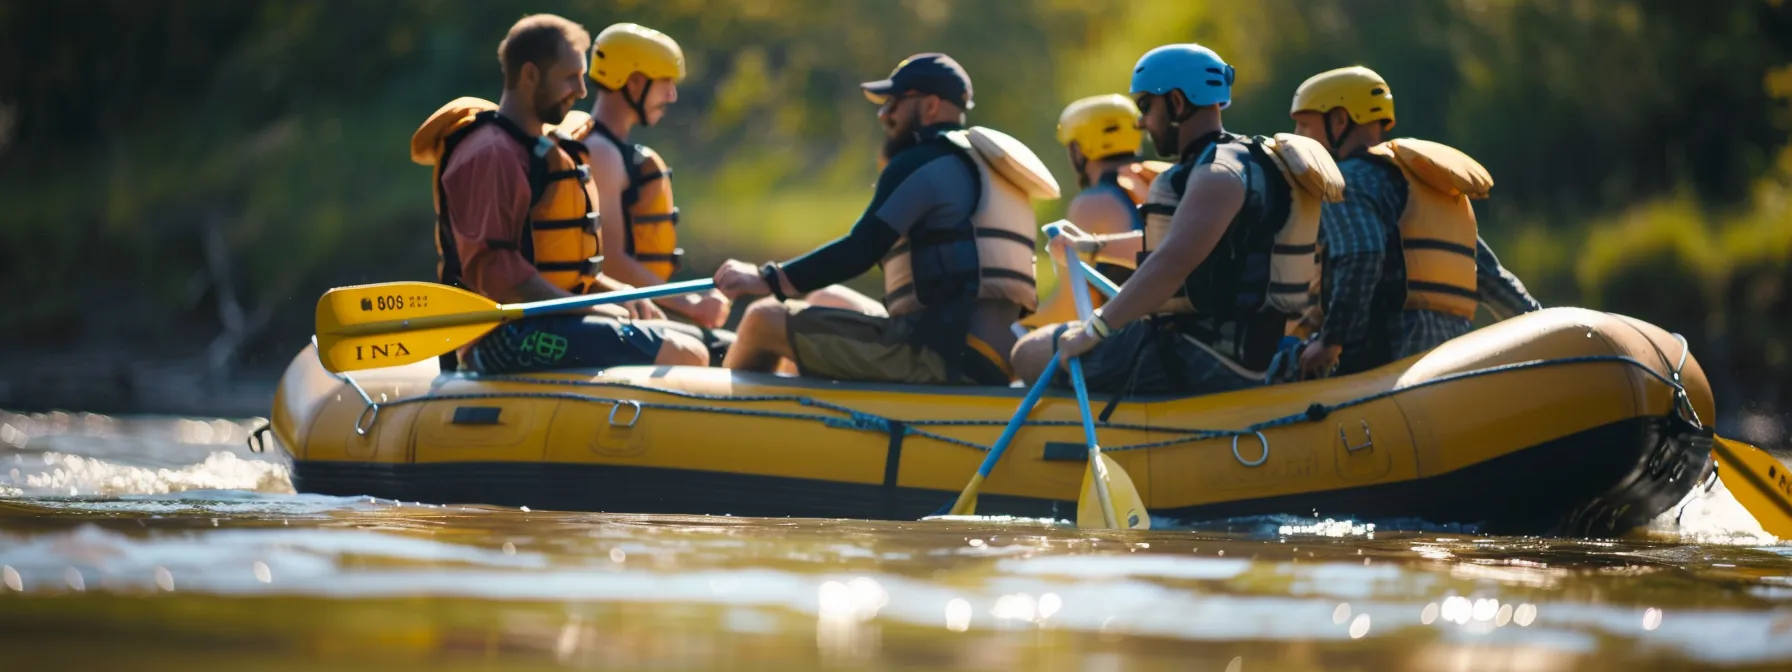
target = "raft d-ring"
x: 1260, y: 459
x: 632, y: 420
x: 369, y: 415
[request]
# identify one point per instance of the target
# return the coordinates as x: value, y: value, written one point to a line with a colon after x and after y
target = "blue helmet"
x: 1201, y: 75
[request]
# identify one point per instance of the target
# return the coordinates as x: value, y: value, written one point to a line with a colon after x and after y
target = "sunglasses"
x: 1144, y: 103
x: 890, y: 102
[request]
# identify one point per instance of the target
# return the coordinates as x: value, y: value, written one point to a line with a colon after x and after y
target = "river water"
x: 163, y: 543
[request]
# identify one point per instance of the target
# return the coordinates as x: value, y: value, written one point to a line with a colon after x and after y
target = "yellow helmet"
x: 1361, y: 92
x: 626, y: 48
x: 1101, y: 126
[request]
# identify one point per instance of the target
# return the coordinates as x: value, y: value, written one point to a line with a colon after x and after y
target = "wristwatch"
x: 769, y: 273
x: 1098, y: 327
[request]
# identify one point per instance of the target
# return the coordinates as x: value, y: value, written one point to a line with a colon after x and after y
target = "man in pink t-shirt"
x: 517, y: 215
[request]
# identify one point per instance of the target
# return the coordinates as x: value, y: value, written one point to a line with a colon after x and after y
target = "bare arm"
x: 1214, y: 196
x: 621, y: 271
x: 1110, y: 222
x: 610, y: 177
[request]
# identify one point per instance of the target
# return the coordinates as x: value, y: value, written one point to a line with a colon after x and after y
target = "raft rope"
x: 844, y: 417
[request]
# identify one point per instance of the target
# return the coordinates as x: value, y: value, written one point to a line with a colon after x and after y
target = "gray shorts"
x: 1147, y: 358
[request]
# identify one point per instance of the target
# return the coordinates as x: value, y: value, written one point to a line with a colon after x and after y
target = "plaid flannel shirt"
x: 1358, y: 234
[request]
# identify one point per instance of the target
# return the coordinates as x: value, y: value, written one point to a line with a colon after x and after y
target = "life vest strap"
x: 1435, y: 244
x: 957, y: 235
x: 582, y: 173
x: 583, y: 266
x: 1007, y: 274
x: 1003, y: 234
x: 1440, y: 288
x: 899, y: 293
x: 655, y: 219
x: 993, y: 273
x: 577, y: 223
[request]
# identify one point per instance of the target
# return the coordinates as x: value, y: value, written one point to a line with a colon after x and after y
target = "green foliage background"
x: 1638, y: 145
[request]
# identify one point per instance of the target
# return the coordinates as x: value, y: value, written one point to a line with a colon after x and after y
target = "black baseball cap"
x: 931, y: 73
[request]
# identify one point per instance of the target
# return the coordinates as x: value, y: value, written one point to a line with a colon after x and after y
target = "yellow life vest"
x: 1438, y: 228
x: 560, y: 235
x: 650, y: 218
x: 1002, y: 230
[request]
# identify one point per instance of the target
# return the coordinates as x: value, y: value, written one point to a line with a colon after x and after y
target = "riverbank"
x: 116, y: 382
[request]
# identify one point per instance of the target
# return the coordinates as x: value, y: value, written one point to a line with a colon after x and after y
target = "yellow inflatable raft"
x: 1565, y: 420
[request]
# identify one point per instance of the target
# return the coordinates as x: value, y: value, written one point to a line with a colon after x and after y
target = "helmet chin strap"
x: 1335, y: 142
x: 1188, y: 112
x: 639, y: 104
x: 1080, y: 162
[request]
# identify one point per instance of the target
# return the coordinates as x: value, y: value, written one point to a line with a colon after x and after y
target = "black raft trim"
x: 1593, y: 482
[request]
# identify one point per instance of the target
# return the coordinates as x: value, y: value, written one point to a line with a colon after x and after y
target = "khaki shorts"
x: 838, y: 344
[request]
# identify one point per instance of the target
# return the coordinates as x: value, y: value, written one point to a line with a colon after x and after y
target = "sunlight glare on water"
x: 165, y: 542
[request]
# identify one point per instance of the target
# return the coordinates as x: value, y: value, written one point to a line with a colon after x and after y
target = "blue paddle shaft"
x: 1082, y: 399
x: 1101, y: 282
x: 588, y: 300
x: 1080, y: 291
x: 1020, y: 418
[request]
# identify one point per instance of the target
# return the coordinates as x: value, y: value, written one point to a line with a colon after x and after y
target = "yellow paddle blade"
x: 374, y: 351
x: 398, y: 323
x: 1759, y: 482
x: 1129, y: 508
x: 386, y: 306
x: 967, y: 500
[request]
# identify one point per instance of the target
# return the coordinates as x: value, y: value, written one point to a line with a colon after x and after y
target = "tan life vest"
x: 651, y: 220
x: 1437, y: 229
x: 1292, y: 255
x: 560, y: 235
x: 1003, y: 229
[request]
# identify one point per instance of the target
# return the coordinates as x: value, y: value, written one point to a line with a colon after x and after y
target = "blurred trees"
x: 129, y: 130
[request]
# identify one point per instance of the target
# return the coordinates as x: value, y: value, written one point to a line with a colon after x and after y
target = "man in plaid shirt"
x: 1368, y: 319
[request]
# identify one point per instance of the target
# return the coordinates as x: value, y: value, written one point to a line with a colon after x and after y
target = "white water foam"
x: 73, y: 475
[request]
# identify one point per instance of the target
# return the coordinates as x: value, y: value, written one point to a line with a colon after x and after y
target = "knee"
x: 765, y: 314
x: 1033, y: 353
x: 679, y: 349
x: 838, y: 296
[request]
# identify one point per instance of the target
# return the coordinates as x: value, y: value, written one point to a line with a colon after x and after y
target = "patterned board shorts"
x: 565, y: 342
